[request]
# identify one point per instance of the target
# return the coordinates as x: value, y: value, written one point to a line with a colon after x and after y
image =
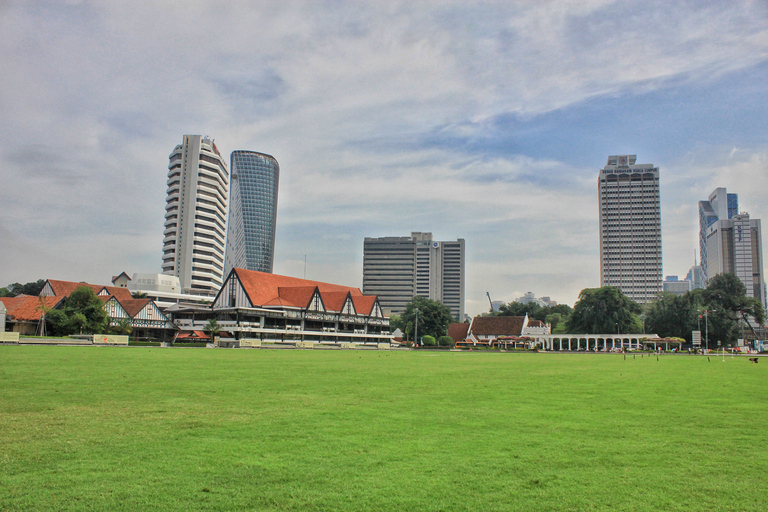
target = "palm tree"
x: 213, y: 328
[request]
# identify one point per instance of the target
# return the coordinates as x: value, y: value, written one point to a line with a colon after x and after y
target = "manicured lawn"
x: 86, y: 428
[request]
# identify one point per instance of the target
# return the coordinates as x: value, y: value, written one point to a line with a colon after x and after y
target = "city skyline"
x: 482, y: 122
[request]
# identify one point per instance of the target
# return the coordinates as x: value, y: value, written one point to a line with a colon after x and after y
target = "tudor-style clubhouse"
x: 260, y: 307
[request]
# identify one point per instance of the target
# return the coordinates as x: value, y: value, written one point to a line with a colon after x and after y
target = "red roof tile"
x: 295, y: 296
x: 134, y: 306
x: 65, y: 289
x: 458, y: 332
x: 193, y: 335
x: 334, y: 301
x: 364, y: 304
x: 26, y: 308
x: 263, y: 289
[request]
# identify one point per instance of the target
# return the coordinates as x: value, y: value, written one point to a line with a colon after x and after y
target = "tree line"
x: 721, y: 306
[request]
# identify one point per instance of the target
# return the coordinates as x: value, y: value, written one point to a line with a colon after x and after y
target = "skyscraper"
x: 720, y: 206
x: 396, y: 269
x: 195, y: 215
x: 630, y: 228
x: 252, y: 212
x: 733, y: 243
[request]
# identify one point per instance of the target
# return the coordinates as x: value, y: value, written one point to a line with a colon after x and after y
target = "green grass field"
x: 85, y: 428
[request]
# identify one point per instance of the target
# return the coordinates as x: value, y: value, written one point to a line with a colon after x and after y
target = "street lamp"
x: 416, y: 328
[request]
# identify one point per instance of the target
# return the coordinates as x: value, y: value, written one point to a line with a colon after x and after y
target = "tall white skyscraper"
x: 396, y: 269
x: 195, y: 216
x: 630, y: 228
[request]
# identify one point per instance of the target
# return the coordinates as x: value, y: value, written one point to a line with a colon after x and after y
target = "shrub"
x: 445, y: 341
x: 429, y: 341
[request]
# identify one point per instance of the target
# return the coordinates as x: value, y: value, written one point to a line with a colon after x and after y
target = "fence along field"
x: 175, y: 429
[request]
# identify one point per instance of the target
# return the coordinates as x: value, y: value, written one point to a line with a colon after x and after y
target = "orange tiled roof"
x: 498, y: 325
x: 271, y: 289
x: 364, y: 303
x: 65, y: 289
x: 334, y: 301
x: 193, y: 335
x: 26, y: 308
x: 295, y: 296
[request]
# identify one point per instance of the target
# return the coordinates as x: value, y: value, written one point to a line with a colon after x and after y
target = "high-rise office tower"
x: 630, y: 228
x: 396, y: 269
x: 733, y: 244
x: 196, y: 215
x: 720, y: 206
x: 252, y: 212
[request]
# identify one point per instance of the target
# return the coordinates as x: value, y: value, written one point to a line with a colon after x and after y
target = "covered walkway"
x: 598, y: 342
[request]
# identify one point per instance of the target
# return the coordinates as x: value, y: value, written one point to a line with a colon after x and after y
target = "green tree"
x: 429, y: 341
x: 30, y: 288
x: 604, y: 310
x: 212, y: 328
x: 674, y: 315
x: 725, y: 299
x: 520, y: 309
x: 396, y: 322
x: 83, y: 313
x: 445, y: 341
x: 433, y: 316
x: 553, y: 319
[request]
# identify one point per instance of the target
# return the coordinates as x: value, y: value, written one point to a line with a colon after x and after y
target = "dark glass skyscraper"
x: 252, y: 211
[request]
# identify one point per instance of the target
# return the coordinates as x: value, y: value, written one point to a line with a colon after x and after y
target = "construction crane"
x: 489, y: 300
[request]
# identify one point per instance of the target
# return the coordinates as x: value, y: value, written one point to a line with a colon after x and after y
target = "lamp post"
x: 706, y: 328
x: 416, y: 328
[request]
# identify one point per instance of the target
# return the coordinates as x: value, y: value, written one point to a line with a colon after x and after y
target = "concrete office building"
x: 396, y: 269
x: 720, y: 206
x: 252, y: 212
x: 630, y: 228
x: 196, y: 216
x: 735, y: 245
x: 674, y: 285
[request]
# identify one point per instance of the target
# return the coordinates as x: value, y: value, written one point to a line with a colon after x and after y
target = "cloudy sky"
x: 486, y: 121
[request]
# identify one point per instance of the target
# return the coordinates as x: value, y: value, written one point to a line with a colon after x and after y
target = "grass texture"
x: 104, y: 428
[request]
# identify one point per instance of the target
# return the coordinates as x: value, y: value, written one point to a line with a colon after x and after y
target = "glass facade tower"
x: 252, y: 212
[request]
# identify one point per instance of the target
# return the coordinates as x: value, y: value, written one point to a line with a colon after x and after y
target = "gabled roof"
x: 458, y: 332
x: 115, y: 278
x: 497, y: 325
x: 65, y: 289
x: 26, y: 308
x: 334, y: 301
x: 535, y: 323
x: 272, y: 289
x: 364, y: 304
x: 134, y: 306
